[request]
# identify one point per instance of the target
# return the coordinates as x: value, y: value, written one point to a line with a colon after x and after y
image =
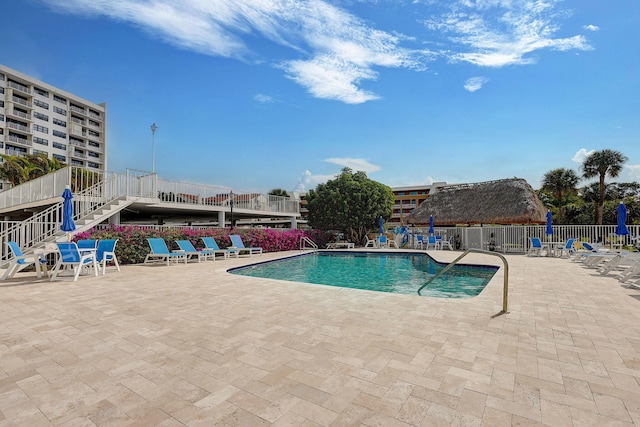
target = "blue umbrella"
x: 67, y: 211
x: 621, y: 229
x: 549, y: 223
x: 431, y: 230
x: 381, y: 224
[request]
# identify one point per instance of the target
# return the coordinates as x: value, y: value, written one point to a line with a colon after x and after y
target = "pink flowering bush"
x: 133, y: 247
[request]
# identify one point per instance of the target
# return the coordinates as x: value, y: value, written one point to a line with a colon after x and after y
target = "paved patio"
x: 194, y: 345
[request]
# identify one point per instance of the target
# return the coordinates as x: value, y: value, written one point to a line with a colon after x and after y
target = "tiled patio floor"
x: 194, y: 345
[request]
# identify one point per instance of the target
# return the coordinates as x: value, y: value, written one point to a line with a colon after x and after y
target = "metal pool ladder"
x: 304, y: 241
x: 505, y: 292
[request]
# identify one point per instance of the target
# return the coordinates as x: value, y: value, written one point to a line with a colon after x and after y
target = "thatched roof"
x: 506, y: 201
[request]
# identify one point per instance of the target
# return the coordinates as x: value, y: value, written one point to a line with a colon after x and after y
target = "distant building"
x: 36, y: 117
x: 409, y: 198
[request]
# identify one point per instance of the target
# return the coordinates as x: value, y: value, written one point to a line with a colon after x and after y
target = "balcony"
x: 19, y: 127
x: 77, y: 120
x: 21, y: 101
x: 19, y: 114
x: 77, y: 109
x: 95, y: 116
x: 13, y: 152
x: 78, y: 155
x: 19, y: 87
x: 78, y: 143
x: 17, y: 140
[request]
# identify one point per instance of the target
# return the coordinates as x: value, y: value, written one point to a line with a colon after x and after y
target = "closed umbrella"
x: 431, y: 230
x: 67, y: 211
x: 381, y: 224
x: 549, y: 230
x: 621, y: 229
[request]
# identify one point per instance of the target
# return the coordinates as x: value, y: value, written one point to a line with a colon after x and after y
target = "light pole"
x: 231, y: 206
x: 154, y: 128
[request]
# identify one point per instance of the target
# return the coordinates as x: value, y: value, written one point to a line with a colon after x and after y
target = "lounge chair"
x: 160, y: 252
x: 446, y: 243
x: 432, y: 242
x: 535, y: 246
x: 105, y: 253
x: 20, y: 261
x: 210, y: 244
x: 237, y: 243
x: 191, y: 252
x: 71, y: 256
x: 382, y: 241
x: 370, y: 243
x: 566, y: 247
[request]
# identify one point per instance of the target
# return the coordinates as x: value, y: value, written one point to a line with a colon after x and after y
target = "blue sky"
x: 257, y: 94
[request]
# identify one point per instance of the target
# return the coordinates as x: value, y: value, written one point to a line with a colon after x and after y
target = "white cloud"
x: 581, y: 155
x: 475, y: 83
x: 309, y: 181
x: 496, y: 33
x: 354, y: 164
x: 591, y: 27
x: 263, y: 99
x: 331, y: 52
x: 336, y: 51
x: 633, y: 172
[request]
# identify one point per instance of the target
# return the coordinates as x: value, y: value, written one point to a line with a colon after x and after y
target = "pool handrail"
x: 505, y: 292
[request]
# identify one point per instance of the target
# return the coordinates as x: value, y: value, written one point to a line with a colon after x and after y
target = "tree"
x: 601, y: 164
x: 560, y: 182
x: 350, y: 203
x: 18, y: 170
x: 278, y: 192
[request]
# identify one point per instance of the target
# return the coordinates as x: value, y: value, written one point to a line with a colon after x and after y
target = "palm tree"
x: 560, y: 182
x: 603, y: 163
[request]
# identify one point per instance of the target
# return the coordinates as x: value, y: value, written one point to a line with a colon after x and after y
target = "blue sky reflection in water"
x: 382, y: 272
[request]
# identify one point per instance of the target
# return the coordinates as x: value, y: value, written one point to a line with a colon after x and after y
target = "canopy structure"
x: 505, y: 201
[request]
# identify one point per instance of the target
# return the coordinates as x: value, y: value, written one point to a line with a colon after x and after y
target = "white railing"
x: 515, y: 238
x: 44, y: 188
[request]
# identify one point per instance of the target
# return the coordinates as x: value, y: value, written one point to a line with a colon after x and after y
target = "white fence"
x: 515, y: 238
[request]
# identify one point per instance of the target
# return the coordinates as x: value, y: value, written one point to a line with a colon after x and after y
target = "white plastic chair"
x: 446, y: 243
x: 70, y: 256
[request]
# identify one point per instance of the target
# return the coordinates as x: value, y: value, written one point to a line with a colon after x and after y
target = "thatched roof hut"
x: 506, y: 201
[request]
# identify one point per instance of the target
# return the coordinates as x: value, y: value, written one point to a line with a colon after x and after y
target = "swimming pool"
x: 401, y: 273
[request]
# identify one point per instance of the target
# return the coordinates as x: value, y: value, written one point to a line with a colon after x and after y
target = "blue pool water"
x: 382, y: 272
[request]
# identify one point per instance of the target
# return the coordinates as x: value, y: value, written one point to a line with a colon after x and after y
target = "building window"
x: 1, y: 76
x: 2, y: 104
x: 41, y: 128
x: 40, y: 116
x: 92, y: 154
x: 40, y: 152
x: 59, y: 122
x: 59, y: 157
x: 94, y: 123
x: 59, y: 99
x: 40, y: 141
x: 59, y: 134
x: 1, y: 117
x: 94, y: 144
x: 94, y: 133
x: 59, y: 110
x: 77, y: 162
x: 41, y: 104
x: 1, y: 90
x: 41, y: 92
x: 60, y: 146
x: 93, y: 165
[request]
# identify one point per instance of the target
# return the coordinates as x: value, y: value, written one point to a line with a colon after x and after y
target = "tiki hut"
x: 505, y: 201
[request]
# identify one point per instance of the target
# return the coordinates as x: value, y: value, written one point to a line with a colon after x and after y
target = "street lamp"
x: 154, y: 128
x: 231, y: 206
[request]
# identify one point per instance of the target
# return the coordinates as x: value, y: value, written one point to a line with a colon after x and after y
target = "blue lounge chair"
x: 419, y: 242
x: 160, y: 252
x: 566, y: 247
x: 432, y: 242
x: 211, y: 245
x: 20, y: 261
x: 106, y: 252
x: 236, y: 241
x: 535, y: 246
x: 190, y: 251
x: 70, y: 256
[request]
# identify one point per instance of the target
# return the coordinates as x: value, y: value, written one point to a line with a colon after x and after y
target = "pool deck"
x: 193, y: 345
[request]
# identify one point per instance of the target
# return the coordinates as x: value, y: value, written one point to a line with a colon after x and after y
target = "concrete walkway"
x: 193, y: 345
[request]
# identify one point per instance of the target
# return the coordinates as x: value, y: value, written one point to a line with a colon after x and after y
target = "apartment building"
x: 36, y: 117
x: 406, y: 199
